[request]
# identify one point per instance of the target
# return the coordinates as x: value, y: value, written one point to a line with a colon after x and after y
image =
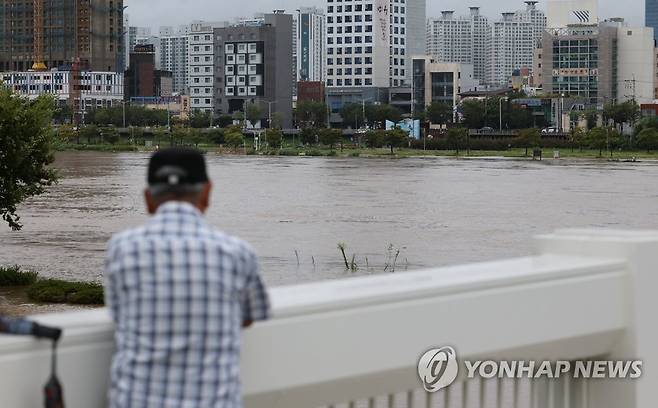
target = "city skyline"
x: 169, y: 12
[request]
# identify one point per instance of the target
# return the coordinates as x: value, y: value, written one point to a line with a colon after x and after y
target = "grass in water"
x: 14, y: 276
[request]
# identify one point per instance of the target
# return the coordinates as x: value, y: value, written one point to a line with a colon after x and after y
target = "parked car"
x: 486, y: 129
x: 549, y: 130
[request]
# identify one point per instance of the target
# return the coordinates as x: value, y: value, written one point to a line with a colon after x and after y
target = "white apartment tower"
x: 463, y: 40
x: 367, y: 42
x: 201, y: 65
x: 309, y: 31
x: 495, y: 49
x: 514, y: 39
x: 174, y: 55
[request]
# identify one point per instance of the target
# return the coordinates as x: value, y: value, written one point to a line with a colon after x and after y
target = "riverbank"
x: 25, y: 292
x: 514, y: 153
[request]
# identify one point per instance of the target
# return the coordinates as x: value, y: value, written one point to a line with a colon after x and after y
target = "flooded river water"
x: 295, y: 211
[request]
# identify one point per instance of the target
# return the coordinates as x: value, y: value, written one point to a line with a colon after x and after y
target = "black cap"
x: 177, y: 166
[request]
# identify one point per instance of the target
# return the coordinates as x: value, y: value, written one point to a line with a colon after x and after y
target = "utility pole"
x: 500, y: 113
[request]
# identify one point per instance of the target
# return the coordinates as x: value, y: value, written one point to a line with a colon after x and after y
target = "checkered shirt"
x: 178, y: 291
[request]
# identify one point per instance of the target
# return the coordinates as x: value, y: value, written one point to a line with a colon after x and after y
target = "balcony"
x: 356, y: 342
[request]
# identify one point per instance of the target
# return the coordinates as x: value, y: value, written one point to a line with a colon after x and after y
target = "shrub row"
x: 52, y: 290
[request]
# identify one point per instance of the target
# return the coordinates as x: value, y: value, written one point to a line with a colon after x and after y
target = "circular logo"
x: 438, y: 368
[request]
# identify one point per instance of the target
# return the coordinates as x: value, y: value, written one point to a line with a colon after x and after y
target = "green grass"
x: 52, y: 290
x: 59, y: 291
x: 100, y: 147
x: 14, y: 276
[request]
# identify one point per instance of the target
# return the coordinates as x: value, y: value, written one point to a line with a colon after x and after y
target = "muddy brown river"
x: 402, y: 214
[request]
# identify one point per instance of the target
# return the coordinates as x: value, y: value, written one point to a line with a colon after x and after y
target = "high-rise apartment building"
x: 651, y: 16
x: 201, y: 66
x: 495, y: 49
x: 90, y: 30
x: 367, y: 42
x: 513, y: 41
x: 463, y: 40
x: 309, y: 36
x: 131, y: 36
x: 174, y: 55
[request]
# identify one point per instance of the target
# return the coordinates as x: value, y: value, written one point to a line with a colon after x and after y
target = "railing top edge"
x: 355, y: 292
x: 289, y: 301
x: 603, y: 234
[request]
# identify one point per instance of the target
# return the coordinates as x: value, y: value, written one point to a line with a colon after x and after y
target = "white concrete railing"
x: 356, y: 342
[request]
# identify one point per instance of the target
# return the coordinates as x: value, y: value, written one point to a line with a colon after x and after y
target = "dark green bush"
x: 59, y: 291
x: 314, y: 152
x: 14, y: 276
x: 288, y: 152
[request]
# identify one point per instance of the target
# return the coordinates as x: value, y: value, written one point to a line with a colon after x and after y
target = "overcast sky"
x: 174, y: 12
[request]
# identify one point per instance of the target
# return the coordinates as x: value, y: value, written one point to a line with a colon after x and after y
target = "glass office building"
x: 651, y: 16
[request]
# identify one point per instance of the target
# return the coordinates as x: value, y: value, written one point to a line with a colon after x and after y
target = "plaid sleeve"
x: 110, y: 275
x: 255, y: 301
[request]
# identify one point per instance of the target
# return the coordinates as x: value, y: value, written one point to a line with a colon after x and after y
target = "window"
x: 252, y: 48
x: 229, y: 48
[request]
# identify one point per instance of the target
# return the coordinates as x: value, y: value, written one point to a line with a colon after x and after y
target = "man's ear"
x: 151, y: 206
x: 204, y: 197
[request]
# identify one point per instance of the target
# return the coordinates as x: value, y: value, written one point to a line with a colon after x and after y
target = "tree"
x: 577, y: 138
x: 648, y: 139
x: 352, y: 114
x: 89, y: 132
x: 395, y: 138
x: 473, y: 112
x: 597, y: 139
x: 26, y: 150
x: 216, y: 136
x: 196, y: 136
x: 311, y: 114
x: 456, y: 138
x: 529, y: 138
x: 63, y: 114
x: 66, y: 134
x: 199, y: 119
x: 330, y: 137
x: 309, y: 136
x: 234, y: 138
x: 381, y: 113
x: 626, y: 112
x: 592, y: 117
x: 110, y: 135
x: 253, y: 114
x: 277, y: 120
x: 439, y: 112
x: 374, y: 138
x: 274, y: 138
x: 224, y: 121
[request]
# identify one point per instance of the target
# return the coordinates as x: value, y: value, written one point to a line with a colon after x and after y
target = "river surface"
x: 294, y: 211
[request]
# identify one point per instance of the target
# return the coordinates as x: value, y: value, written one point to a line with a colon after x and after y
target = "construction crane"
x: 38, y: 64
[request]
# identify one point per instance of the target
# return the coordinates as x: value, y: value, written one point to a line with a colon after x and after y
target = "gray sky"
x: 155, y: 13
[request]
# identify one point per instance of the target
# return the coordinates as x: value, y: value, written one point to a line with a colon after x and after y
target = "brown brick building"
x: 89, y: 29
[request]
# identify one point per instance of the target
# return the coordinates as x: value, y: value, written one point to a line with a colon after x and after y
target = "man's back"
x: 179, y: 292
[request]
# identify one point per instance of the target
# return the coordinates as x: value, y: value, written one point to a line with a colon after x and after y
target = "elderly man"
x: 179, y: 292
